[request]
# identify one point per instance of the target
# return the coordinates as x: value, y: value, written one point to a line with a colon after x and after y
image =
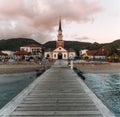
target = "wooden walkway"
x: 59, y: 92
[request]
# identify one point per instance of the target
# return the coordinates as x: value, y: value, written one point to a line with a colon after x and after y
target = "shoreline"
x: 83, y: 67
x: 98, y: 67
x: 22, y: 68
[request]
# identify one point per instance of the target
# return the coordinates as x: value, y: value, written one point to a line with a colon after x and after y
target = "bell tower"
x: 60, y: 42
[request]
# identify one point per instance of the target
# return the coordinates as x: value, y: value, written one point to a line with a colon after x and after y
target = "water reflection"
x: 107, y: 88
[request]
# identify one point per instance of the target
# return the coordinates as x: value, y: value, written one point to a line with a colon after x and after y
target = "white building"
x: 9, y: 53
x: 33, y: 49
x: 60, y: 52
x: 81, y: 52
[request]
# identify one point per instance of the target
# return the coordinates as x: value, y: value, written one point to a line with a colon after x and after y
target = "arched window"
x: 48, y: 55
x: 59, y: 55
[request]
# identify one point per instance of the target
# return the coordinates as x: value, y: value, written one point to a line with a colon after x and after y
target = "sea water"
x: 12, y: 84
x: 107, y: 88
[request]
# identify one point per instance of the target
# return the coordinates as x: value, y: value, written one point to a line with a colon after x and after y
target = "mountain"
x: 76, y: 45
x: 49, y: 44
x: 113, y: 48
x: 68, y: 44
x: 15, y: 43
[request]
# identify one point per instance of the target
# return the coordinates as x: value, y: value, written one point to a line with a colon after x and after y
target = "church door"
x: 59, y: 55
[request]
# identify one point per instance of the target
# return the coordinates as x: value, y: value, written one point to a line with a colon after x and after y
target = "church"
x: 60, y: 52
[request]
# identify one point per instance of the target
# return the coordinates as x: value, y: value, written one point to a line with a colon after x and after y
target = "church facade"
x: 60, y: 52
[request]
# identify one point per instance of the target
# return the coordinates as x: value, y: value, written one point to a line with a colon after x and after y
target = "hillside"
x: 68, y: 44
x: 16, y: 43
x: 113, y: 48
x: 76, y: 45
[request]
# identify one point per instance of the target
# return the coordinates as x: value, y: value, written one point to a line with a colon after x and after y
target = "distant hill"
x: 76, y: 45
x: 110, y: 47
x: 15, y: 43
x: 113, y: 48
x: 50, y: 44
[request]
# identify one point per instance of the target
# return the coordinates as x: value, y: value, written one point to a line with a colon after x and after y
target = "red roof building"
x: 32, y: 48
x: 91, y: 52
x: 3, y: 54
x: 22, y: 52
x: 96, y: 54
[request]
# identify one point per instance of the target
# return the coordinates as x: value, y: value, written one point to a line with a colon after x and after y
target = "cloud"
x: 26, y: 18
x: 83, y: 39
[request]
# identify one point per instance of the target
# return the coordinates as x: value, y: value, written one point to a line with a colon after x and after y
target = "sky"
x: 82, y: 20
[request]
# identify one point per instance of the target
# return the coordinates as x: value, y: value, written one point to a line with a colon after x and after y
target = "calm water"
x: 12, y: 84
x: 107, y: 88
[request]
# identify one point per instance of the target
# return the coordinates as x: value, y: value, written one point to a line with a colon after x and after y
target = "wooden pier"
x: 59, y: 92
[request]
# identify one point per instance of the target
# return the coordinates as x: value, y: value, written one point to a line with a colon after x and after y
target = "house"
x: 94, y: 54
x: 82, y: 52
x: 33, y: 49
x: 91, y: 54
x: 3, y: 54
x: 9, y: 53
x: 60, y: 52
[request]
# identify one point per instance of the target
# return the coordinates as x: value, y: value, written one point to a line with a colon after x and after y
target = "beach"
x: 22, y: 67
x: 98, y: 67
x: 83, y: 67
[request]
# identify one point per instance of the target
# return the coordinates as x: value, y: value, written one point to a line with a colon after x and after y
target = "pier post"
x: 71, y: 64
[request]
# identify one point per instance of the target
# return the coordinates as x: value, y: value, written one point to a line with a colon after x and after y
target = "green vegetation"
x: 15, y: 43
x: 111, y: 49
x: 76, y: 45
x: 49, y: 44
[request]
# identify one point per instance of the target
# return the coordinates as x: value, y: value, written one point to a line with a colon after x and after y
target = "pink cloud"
x: 36, y: 17
x: 11, y: 8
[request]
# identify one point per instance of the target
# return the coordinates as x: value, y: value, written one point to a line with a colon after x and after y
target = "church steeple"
x: 60, y: 31
x: 60, y: 27
x: 60, y: 42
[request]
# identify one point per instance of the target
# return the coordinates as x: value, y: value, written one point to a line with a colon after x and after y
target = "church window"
x: 65, y: 55
x: 48, y: 55
x: 59, y: 48
x: 55, y: 55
